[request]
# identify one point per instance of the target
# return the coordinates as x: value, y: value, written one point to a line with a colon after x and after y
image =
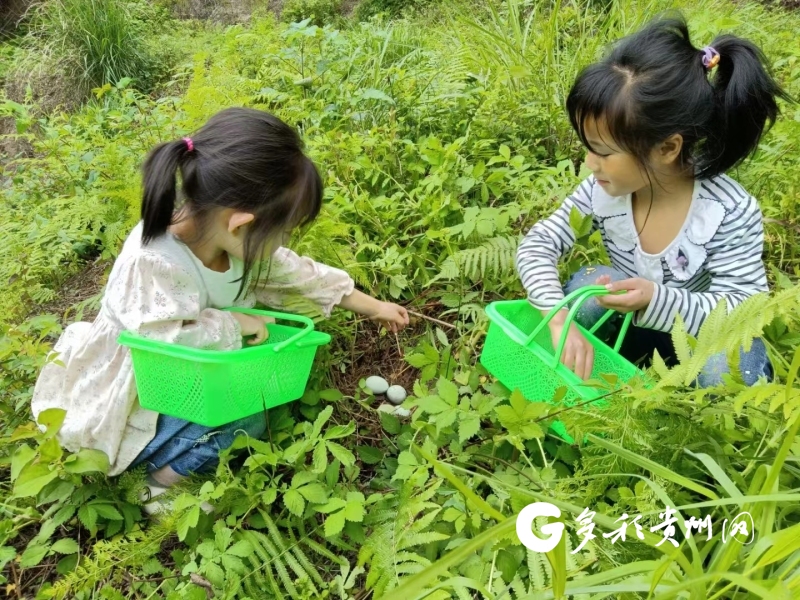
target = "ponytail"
x: 745, y: 107
x: 160, y: 186
x: 655, y: 83
x: 242, y: 159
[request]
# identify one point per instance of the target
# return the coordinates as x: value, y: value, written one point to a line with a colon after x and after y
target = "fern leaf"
x: 270, y: 556
x: 680, y: 341
x: 518, y: 587
x: 303, y: 560
x: 420, y: 539
x: 495, y: 256
x: 536, y: 571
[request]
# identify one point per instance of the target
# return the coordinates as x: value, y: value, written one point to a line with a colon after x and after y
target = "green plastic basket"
x: 212, y: 387
x: 518, y: 351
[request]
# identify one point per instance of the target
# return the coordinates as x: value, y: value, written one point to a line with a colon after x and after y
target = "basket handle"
x: 309, y: 324
x: 580, y: 296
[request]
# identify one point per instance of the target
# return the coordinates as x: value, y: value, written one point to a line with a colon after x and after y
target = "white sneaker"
x: 153, y: 506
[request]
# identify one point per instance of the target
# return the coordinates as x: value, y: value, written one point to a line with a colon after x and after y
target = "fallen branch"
x: 432, y: 320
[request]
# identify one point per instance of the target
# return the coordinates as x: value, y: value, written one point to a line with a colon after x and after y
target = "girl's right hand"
x: 253, y: 325
x: 578, y: 354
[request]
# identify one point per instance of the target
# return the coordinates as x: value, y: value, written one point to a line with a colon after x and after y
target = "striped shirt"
x: 716, y: 255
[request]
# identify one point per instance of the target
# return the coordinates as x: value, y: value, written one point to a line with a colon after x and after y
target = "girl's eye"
x: 597, y: 154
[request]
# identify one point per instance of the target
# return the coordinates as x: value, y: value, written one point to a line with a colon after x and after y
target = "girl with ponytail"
x: 215, y: 210
x: 662, y: 122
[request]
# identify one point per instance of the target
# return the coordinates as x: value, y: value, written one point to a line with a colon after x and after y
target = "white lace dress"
x: 163, y: 292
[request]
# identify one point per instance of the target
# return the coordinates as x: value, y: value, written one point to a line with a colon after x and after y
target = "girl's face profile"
x: 616, y: 171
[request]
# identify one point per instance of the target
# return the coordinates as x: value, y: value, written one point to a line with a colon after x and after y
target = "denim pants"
x: 190, y: 448
x: 639, y: 343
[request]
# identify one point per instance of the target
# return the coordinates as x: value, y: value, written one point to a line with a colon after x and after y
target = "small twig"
x: 405, y: 368
x: 397, y: 340
x: 153, y: 579
x: 203, y: 583
x: 432, y: 320
x: 16, y: 577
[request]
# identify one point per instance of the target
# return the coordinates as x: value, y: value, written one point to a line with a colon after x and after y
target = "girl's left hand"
x: 638, y: 294
x: 392, y: 316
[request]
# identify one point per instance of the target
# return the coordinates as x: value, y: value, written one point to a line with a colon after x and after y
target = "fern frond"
x: 724, y: 331
x: 388, y: 549
x: 295, y: 556
x: 495, y: 256
x: 267, y: 556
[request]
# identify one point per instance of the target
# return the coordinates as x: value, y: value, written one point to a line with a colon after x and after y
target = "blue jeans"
x: 190, y: 448
x: 639, y: 343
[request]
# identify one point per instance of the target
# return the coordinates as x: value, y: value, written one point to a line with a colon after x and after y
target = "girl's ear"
x: 239, y: 219
x: 670, y: 149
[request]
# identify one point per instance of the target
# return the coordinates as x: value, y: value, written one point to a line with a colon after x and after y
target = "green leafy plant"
x: 101, y: 41
x: 319, y: 12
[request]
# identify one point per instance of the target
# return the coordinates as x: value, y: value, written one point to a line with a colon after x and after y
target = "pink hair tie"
x: 189, y: 144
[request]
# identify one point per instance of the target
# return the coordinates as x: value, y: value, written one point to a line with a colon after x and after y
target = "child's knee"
x: 713, y: 370
x: 590, y: 311
x: 254, y: 426
x: 589, y: 275
x: 753, y: 365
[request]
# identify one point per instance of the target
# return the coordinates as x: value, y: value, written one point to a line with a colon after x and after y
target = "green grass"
x: 103, y: 36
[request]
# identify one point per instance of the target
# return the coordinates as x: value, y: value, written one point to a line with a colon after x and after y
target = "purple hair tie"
x: 710, y: 57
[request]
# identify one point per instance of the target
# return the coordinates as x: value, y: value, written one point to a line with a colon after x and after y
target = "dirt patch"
x: 348, y: 7
x: 221, y: 11
x: 12, y: 12
x: 78, y: 289
x: 12, y: 145
x: 376, y: 354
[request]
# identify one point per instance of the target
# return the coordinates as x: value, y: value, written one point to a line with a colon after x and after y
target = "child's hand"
x: 392, y: 316
x: 253, y: 325
x: 638, y: 294
x: 578, y: 354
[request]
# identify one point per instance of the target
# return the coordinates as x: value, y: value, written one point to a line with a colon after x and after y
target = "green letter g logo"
x: 554, y: 531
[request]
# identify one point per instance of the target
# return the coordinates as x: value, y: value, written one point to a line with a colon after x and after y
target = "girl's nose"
x: 591, y: 161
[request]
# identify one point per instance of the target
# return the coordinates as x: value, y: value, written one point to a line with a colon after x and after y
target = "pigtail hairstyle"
x: 655, y: 83
x: 160, y: 188
x: 244, y: 159
x: 744, y: 95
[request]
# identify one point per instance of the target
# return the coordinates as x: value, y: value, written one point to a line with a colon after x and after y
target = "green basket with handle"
x: 519, y: 352
x: 213, y: 387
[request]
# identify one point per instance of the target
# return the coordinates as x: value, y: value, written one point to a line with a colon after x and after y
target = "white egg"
x: 377, y: 385
x: 396, y: 394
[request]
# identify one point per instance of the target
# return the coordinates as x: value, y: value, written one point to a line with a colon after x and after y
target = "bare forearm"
x: 392, y: 316
x: 359, y: 303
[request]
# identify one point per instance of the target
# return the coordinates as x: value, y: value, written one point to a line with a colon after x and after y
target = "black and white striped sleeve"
x: 547, y: 242
x: 736, y: 268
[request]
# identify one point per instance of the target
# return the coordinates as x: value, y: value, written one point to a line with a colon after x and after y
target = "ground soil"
x: 83, y: 286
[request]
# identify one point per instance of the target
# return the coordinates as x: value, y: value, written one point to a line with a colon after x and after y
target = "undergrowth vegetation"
x: 73, y: 46
x: 441, y: 141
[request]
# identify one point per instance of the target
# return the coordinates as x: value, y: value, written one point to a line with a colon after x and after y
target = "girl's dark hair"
x: 244, y: 159
x: 654, y: 84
